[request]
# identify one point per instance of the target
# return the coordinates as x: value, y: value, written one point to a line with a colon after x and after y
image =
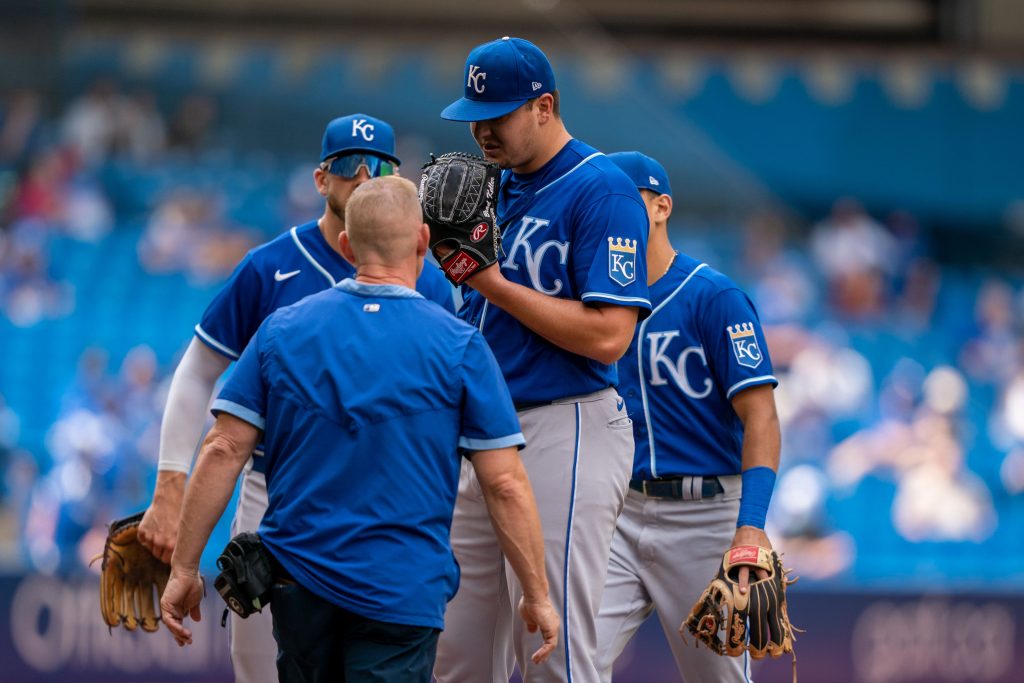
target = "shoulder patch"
x: 744, y: 344
x: 622, y: 260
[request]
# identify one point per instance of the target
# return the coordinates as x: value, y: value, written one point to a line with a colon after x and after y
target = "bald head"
x: 383, y: 220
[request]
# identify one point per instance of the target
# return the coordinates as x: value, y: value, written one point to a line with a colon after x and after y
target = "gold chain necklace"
x: 670, y: 262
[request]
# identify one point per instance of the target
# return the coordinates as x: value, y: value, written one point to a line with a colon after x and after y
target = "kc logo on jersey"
x: 744, y: 345
x: 622, y: 260
x: 361, y: 127
x: 475, y: 78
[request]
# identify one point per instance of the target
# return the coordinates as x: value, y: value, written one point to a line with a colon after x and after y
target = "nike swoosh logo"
x: 281, y: 277
x: 619, y: 404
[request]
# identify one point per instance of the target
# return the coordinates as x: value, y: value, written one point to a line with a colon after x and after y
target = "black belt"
x: 680, y: 487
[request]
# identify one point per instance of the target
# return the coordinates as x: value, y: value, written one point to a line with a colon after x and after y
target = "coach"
x: 365, y: 394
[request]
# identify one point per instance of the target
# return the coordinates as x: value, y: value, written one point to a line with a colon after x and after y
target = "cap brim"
x: 476, y: 110
x: 362, y: 150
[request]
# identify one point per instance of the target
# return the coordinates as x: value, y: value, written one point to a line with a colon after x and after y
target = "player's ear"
x: 320, y: 178
x: 663, y: 205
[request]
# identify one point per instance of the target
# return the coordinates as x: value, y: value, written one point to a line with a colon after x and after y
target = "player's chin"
x: 496, y: 155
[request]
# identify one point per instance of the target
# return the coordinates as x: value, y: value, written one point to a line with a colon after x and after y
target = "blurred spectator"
x: 856, y: 255
x: 192, y: 124
x: 27, y: 294
x: 187, y: 233
x: 783, y: 288
x: 141, y: 131
x: 994, y: 351
x: 20, y: 127
x: 90, y: 124
x: 103, y: 447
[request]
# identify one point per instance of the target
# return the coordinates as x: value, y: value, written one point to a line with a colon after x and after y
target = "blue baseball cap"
x: 645, y: 172
x: 500, y: 76
x: 358, y: 133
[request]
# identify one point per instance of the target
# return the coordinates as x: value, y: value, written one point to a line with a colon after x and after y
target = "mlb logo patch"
x: 744, y: 345
x: 621, y: 260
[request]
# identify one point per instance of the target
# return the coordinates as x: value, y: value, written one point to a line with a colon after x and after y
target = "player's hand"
x: 750, y: 535
x: 182, y: 596
x: 158, y: 530
x: 541, y: 615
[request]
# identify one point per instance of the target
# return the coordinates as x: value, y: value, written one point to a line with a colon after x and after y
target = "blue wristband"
x: 758, y: 483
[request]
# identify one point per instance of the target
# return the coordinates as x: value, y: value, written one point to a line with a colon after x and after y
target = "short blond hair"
x: 382, y: 219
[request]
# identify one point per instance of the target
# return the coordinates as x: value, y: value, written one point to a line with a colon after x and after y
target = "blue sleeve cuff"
x: 222, y: 405
x: 205, y: 337
x: 615, y: 299
x: 751, y: 382
x: 468, y: 444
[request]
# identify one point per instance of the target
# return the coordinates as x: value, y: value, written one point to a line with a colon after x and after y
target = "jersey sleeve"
x: 245, y: 393
x: 434, y: 287
x: 234, y: 314
x: 610, y: 252
x: 489, y: 418
x: 734, y: 341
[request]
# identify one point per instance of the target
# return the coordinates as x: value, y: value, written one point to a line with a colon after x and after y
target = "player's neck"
x: 330, y: 227
x: 660, y: 256
x: 557, y: 139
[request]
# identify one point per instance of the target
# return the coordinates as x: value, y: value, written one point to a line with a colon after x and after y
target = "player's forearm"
x: 762, y: 441
x: 224, y: 453
x: 601, y: 333
x: 187, y: 401
x: 762, y: 436
x: 516, y: 522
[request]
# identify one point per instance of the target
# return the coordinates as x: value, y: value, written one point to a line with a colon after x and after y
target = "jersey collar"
x: 387, y: 291
x: 310, y: 241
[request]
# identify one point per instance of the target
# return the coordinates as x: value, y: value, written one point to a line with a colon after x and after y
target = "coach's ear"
x: 345, y: 246
x: 424, y: 240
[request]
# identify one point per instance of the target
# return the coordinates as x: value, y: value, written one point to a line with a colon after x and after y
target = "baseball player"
x: 698, y: 385
x: 298, y: 263
x: 558, y: 310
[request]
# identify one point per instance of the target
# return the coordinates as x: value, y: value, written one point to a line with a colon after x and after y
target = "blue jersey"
x: 366, y: 395
x: 285, y: 270
x: 701, y: 344
x: 575, y: 229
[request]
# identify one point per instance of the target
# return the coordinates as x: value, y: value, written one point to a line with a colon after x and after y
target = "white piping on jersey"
x: 309, y: 257
x: 624, y: 299
x: 595, y: 154
x: 215, y: 344
x: 640, y: 366
x: 749, y: 380
x: 483, y: 315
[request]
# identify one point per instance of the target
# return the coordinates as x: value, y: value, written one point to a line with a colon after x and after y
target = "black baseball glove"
x: 756, y: 621
x: 459, y: 193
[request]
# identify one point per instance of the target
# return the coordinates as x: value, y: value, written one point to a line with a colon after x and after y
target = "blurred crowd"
x: 901, y: 379
x: 57, y: 180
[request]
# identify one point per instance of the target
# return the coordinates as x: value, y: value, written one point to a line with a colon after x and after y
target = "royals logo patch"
x: 622, y: 260
x: 744, y: 345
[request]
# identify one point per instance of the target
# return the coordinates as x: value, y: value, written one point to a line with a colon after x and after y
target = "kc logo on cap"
x: 500, y: 76
x: 475, y: 77
x: 357, y: 133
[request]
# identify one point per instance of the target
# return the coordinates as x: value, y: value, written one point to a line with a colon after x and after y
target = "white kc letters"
x: 361, y: 127
x: 528, y: 226
x: 475, y: 78
x: 659, y: 342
